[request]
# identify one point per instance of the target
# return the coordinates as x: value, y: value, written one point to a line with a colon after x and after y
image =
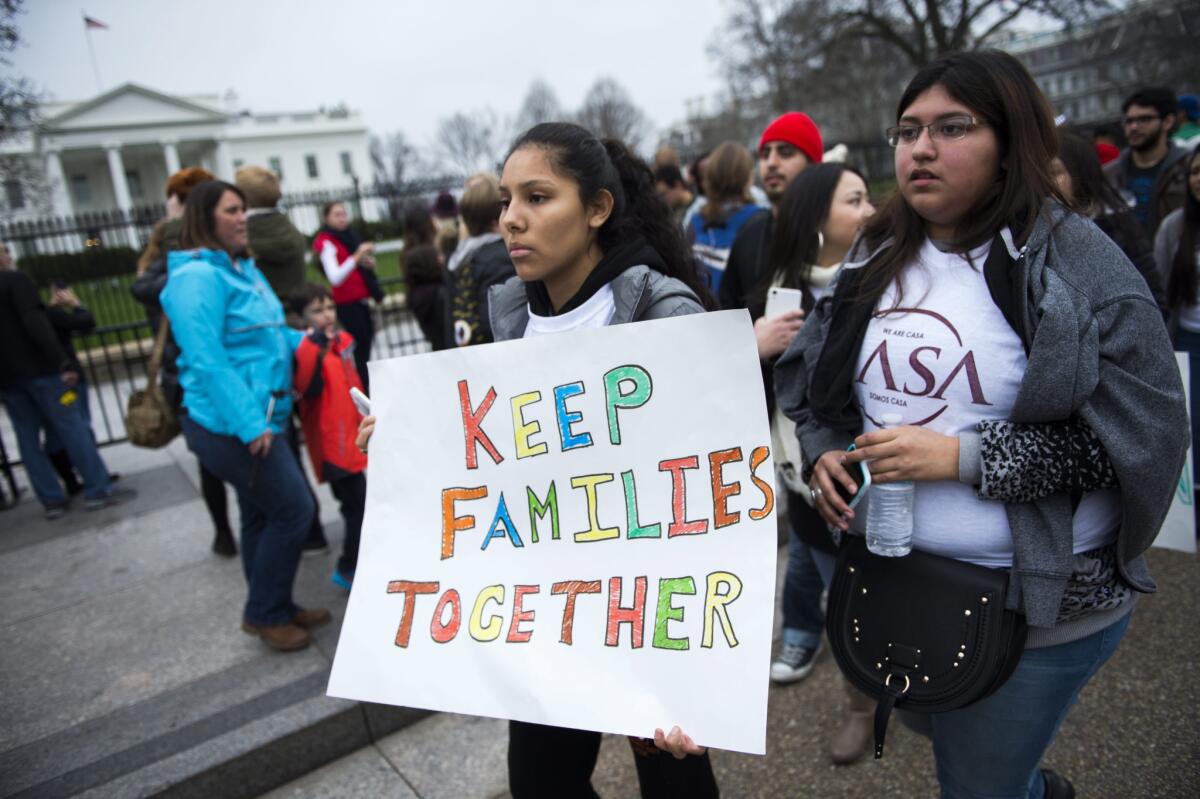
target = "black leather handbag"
x: 922, y: 632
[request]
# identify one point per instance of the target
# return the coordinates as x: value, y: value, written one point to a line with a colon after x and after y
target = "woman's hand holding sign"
x: 678, y: 743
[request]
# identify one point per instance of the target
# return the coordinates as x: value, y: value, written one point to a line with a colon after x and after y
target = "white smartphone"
x: 361, y: 401
x: 781, y: 300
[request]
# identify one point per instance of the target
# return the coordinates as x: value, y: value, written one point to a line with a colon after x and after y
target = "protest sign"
x: 576, y: 530
x: 1179, y: 529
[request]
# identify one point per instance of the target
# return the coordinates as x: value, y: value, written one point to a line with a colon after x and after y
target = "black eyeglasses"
x: 947, y: 129
x: 1142, y: 119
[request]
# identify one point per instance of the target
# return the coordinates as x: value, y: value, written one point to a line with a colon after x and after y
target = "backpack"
x: 465, y: 307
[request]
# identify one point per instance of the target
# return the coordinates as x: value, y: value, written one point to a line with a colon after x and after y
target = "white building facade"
x: 116, y: 151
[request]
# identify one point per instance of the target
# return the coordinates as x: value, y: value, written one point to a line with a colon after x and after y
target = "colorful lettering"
x: 538, y: 510
x: 633, y: 527
x: 635, y: 616
x: 522, y: 430
x: 570, y: 440
x: 472, y: 419
x: 668, y: 612
x: 490, y: 631
x: 880, y: 352
x: 615, y: 397
x: 410, y: 590
x: 572, y: 588
x: 679, y: 524
x: 715, y: 601
x: 452, y: 524
x: 722, y: 491
x: 967, y: 364
x: 444, y: 633
x: 757, y: 457
x: 595, y: 532
x: 502, y: 517
x: 519, y: 615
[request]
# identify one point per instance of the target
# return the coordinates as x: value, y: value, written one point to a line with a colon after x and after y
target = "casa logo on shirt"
x: 911, y: 370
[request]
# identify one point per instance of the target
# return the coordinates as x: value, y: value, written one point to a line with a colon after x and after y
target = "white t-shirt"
x: 1189, y: 315
x: 596, y: 311
x: 946, y: 360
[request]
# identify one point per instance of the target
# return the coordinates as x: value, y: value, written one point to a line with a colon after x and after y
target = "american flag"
x: 89, y: 23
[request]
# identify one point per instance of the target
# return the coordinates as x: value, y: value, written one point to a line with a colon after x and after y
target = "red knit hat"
x: 1107, y: 152
x: 797, y: 129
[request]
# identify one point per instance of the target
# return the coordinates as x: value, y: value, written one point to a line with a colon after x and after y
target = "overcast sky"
x: 403, y: 64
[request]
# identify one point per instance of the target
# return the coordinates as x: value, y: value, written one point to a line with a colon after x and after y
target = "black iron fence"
x: 376, y: 207
x: 115, y: 360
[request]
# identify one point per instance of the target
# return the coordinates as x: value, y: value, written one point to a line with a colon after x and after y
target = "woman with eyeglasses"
x: 1035, y: 384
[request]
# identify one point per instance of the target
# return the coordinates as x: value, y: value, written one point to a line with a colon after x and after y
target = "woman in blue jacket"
x: 235, y: 368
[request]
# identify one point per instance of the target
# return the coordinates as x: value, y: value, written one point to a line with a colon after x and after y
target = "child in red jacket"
x: 325, y: 371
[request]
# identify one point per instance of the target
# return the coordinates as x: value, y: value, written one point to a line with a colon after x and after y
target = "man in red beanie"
x: 787, y: 146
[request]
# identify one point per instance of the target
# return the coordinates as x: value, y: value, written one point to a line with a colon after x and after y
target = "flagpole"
x: 87, y: 31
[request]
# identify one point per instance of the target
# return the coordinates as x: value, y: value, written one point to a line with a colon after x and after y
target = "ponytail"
x: 638, y: 211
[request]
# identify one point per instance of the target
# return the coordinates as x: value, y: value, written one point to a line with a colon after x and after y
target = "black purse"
x: 922, y: 632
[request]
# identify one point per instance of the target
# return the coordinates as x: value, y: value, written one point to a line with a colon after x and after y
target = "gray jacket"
x: 1099, y: 352
x: 1166, y: 244
x: 639, y: 293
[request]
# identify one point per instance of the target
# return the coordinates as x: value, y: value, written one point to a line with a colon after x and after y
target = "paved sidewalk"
x: 1132, y: 735
x: 123, y: 672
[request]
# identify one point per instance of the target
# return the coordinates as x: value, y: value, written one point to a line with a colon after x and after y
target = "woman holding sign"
x: 592, y: 245
x: 1040, y: 420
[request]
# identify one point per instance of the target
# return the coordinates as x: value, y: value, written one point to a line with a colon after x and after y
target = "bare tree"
x: 609, y: 112
x: 24, y: 184
x: 540, y: 105
x: 393, y: 159
x: 472, y: 142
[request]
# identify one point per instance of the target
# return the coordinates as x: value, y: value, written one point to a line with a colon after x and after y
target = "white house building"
x: 115, y: 151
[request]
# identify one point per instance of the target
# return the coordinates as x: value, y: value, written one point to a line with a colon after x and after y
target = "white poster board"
x: 1179, y: 529
x: 575, y: 530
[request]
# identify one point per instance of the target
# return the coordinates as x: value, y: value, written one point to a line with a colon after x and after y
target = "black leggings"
x: 356, y: 319
x: 351, y: 493
x: 213, y: 489
x: 557, y: 763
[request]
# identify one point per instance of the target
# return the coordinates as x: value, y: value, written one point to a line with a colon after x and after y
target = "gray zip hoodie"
x: 639, y: 293
x: 1099, y: 352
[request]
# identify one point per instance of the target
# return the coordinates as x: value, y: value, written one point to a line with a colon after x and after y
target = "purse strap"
x: 160, y: 343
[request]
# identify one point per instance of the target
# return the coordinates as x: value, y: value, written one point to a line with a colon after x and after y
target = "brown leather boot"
x: 283, y: 637
x: 311, y: 618
x: 852, y: 739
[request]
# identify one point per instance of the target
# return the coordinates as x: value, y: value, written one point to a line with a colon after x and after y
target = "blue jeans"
x: 808, y: 573
x: 276, y: 510
x: 53, y: 442
x: 47, y: 402
x: 993, y: 748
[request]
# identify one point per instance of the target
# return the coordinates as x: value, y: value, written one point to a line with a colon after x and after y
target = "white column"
x: 171, y: 156
x: 116, y: 171
x: 60, y: 196
x: 224, y: 159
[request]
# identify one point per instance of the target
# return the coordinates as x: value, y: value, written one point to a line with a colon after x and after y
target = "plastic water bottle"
x: 890, y: 512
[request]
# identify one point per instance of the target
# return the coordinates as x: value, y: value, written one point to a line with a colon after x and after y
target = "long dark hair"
x: 1001, y: 93
x: 198, y: 228
x: 1089, y: 188
x: 638, y: 211
x: 796, y: 241
x: 1182, y: 283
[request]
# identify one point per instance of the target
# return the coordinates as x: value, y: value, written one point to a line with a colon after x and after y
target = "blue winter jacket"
x: 235, y: 348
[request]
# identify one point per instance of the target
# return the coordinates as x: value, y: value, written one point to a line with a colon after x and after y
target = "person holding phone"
x: 1036, y: 382
x: 820, y: 213
x: 235, y: 368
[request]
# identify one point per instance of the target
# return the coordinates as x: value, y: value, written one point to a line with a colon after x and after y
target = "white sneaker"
x: 794, y: 663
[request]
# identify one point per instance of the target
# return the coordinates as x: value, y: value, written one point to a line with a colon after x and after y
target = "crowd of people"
x: 1017, y: 296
